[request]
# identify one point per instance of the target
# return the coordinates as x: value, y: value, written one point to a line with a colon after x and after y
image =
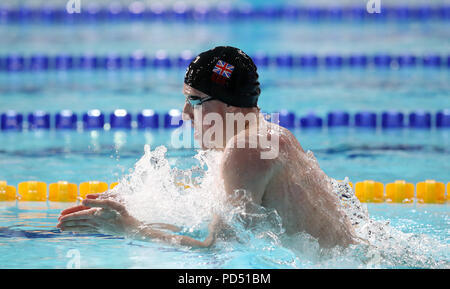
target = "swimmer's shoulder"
x: 244, y: 168
x: 253, y: 145
x: 248, y: 154
x: 287, y: 140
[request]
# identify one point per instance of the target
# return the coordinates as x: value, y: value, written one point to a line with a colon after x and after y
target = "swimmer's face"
x: 198, y: 113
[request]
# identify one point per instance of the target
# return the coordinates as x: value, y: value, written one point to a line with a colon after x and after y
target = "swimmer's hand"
x: 81, y: 207
x: 98, y: 216
x: 111, y: 217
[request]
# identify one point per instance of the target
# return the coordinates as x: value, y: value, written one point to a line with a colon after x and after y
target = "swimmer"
x: 220, y: 82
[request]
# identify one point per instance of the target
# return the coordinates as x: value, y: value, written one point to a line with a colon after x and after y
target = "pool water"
x: 28, y: 239
x: 280, y: 36
x: 417, y: 235
x: 51, y: 156
x: 299, y: 90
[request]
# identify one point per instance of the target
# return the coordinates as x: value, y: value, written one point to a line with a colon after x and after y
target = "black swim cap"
x: 227, y: 74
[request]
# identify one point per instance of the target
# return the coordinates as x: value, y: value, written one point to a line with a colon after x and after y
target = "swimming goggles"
x: 197, y: 100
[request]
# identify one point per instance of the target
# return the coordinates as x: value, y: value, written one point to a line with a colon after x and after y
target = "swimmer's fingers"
x: 73, y: 210
x: 81, y: 207
x: 80, y: 229
x: 77, y: 223
x: 81, y: 215
x: 106, y: 204
x: 94, y: 222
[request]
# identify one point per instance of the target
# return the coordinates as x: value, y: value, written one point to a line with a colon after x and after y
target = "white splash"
x: 155, y: 192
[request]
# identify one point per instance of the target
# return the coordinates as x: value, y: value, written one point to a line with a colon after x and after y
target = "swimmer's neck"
x: 249, y: 127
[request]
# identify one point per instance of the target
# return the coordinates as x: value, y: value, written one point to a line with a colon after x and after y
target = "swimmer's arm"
x: 244, y: 169
x: 333, y: 226
x: 111, y: 217
x: 152, y: 234
x: 214, y: 228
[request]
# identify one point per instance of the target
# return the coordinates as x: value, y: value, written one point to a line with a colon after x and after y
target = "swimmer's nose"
x: 188, y: 114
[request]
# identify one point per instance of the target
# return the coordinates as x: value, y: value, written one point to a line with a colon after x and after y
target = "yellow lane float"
x: 33, y: 191
x: 92, y: 187
x: 7, y: 193
x: 448, y: 192
x: 370, y: 191
x: 430, y: 192
x: 399, y: 192
x: 62, y: 192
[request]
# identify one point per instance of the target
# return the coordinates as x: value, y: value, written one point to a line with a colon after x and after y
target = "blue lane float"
x: 366, y: 119
x: 39, y: 120
x: 93, y: 119
x: 443, y: 118
x: 338, y: 118
x: 161, y: 60
x: 137, y: 60
x: 260, y: 59
x: 87, y: 62
x: 63, y: 62
x: 112, y: 61
x: 382, y: 60
x: 148, y: 119
x: 311, y: 120
x: 309, y: 60
x: 120, y: 119
x: 14, y: 62
x: 420, y: 119
x: 432, y: 60
x: 39, y: 62
x: 284, y: 60
x: 406, y: 60
x: 286, y: 118
x: 392, y: 119
x: 11, y: 120
x: 334, y: 60
x: 357, y: 60
x: 137, y: 11
x: 173, y: 119
x: 184, y: 59
x: 66, y: 119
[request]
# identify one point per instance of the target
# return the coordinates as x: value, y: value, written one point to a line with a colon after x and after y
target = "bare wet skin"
x: 301, y: 192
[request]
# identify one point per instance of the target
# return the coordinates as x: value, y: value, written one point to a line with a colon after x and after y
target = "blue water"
x: 28, y: 237
x: 33, y: 242
x: 358, y: 154
x: 273, y: 37
x: 299, y: 90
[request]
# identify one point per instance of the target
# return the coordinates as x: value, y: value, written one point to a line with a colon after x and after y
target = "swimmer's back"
x: 302, y: 194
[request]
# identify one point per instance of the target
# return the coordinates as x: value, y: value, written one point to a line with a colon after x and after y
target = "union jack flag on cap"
x: 224, y: 69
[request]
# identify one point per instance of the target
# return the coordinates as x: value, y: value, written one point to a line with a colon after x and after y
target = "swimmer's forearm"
x: 148, y: 234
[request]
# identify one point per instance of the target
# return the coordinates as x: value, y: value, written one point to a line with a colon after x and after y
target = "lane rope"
x: 138, y: 11
x: 149, y: 119
x: 369, y: 191
x: 16, y: 62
